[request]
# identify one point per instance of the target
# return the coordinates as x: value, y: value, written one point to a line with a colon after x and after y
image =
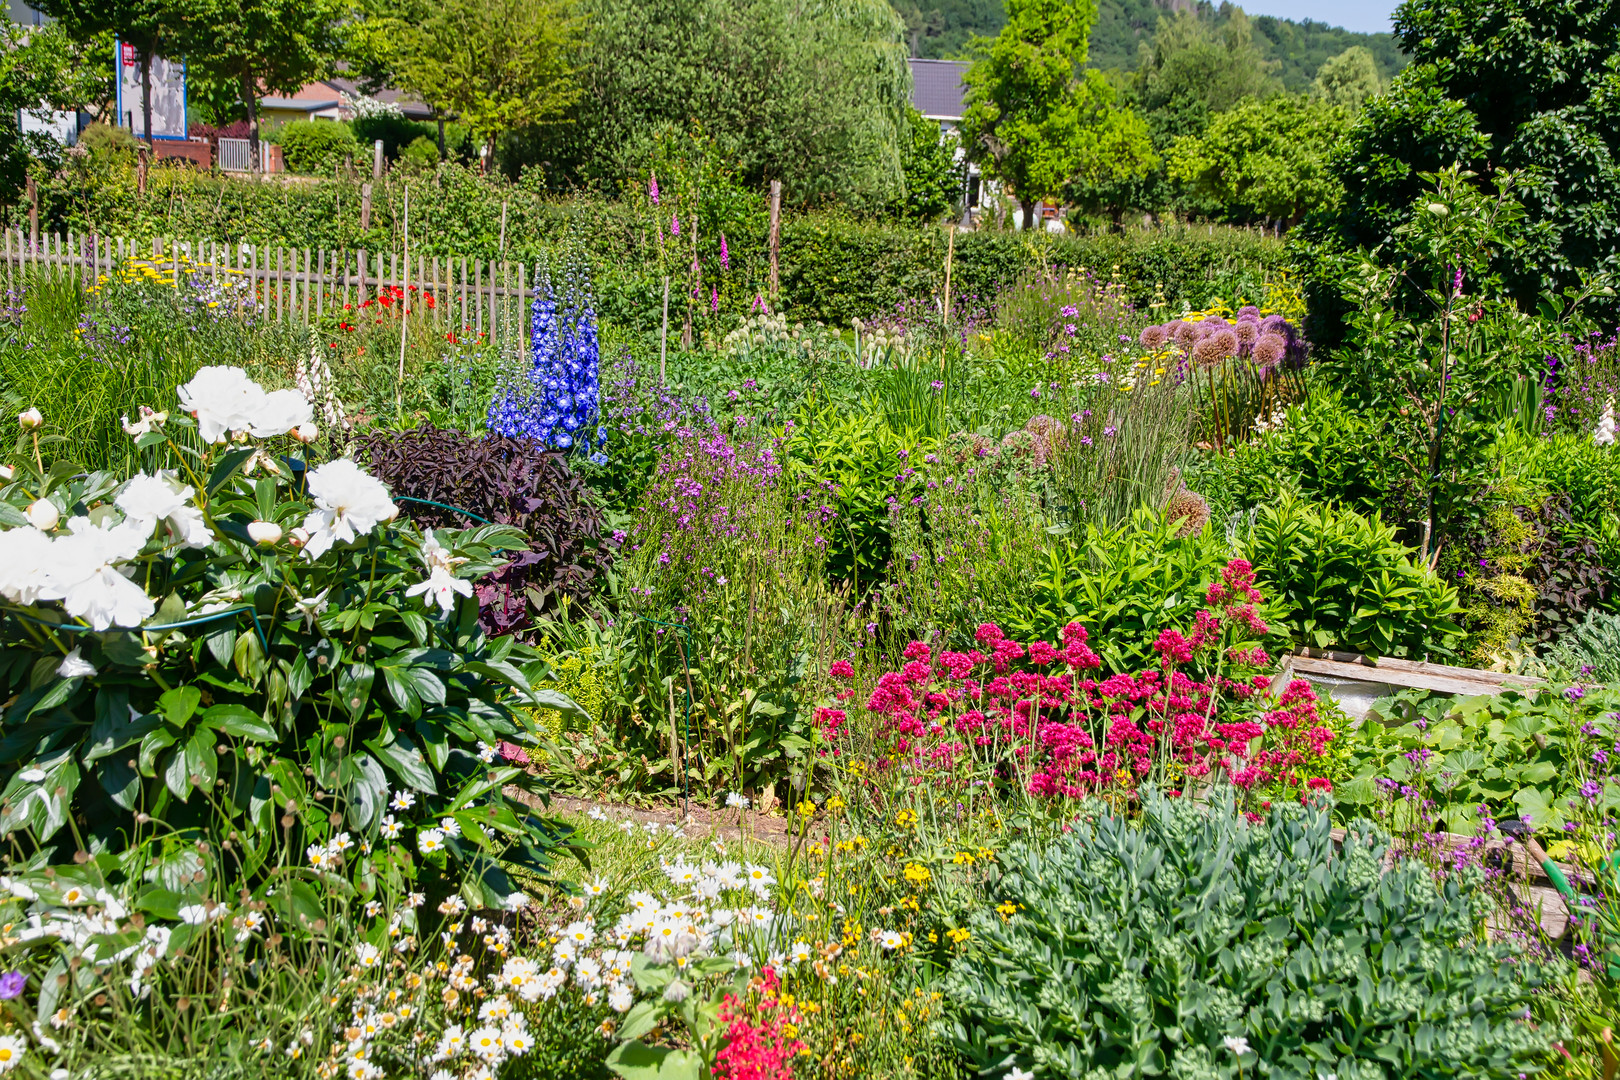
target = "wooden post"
x: 33, y: 212
x: 776, y: 240
x: 320, y: 290
x: 306, y: 286
x: 663, y: 339
x: 478, y: 295
x: 360, y: 286
x: 461, y: 294
x: 404, y: 312
x: 140, y: 170
x: 11, y: 280
x: 945, y: 313
x: 365, y: 211
x: 522, y: 306
x: 376, y: 160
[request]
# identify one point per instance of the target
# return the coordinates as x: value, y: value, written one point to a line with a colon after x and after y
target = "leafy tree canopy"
x: 1350, y: 78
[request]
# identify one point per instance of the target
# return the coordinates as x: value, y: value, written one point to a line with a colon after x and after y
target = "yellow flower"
x: 963, y: 858
x: 917, y: 873
x: 906, y: 819
x: 958, y: 935
x: 835, y: 803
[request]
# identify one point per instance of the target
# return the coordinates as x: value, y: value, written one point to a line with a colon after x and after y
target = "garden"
x: 840, y: 649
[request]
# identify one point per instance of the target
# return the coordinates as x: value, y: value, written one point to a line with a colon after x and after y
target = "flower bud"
x: 7, y: 472
x: 43, y: 515
x: 298, y: 537
x: 264, y: 532
x: 306, y: 433
x: 29, y: 419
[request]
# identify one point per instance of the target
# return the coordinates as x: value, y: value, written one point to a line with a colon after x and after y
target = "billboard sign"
x: 168, y: 95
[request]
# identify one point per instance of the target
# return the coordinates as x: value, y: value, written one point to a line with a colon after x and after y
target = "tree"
x: 1191, y: 71
x: 150, y: 27
x: 260, y: 46
x: 1521, y: 85
x: 43, y: 69
x: 1034, y: 119
x: 812, y: 94
x: 1350, y: 78
x: 1264, y: 160
x: 498, y: 64
x: 934, y: 178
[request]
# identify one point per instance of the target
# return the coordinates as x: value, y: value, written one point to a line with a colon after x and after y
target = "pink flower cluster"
x: 1038, y: 718
x: 757, y: 1044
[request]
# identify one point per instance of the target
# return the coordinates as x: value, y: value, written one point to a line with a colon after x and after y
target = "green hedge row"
x: 833, y: 267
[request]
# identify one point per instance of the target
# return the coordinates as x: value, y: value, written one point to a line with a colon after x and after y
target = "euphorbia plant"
x: 254, y: 656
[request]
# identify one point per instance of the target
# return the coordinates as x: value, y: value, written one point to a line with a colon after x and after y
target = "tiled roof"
x: 936, y: 87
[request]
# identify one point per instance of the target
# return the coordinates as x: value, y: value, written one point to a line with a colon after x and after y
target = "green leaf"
x: 227, y: 467
x: 405, y: 761
x: 638, y: 1061
x: 241, y: 721
x: 178, y: 705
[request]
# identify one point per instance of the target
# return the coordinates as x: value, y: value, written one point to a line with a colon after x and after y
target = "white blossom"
x: 43, y: 515
x: 74, y: 666
x: 224, y: 400
x: 146, y: 500
x: 87, y: 575
x: 349, y: 503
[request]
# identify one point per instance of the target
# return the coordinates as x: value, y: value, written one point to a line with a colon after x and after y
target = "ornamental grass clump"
x: 1198, y: 942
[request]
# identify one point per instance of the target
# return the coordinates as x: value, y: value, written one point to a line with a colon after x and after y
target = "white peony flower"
x: 73, y: 666
x: 43, y: 515
x: 29, y: 419
x: 147, y: 422
x: 25, y: 565
x: 306, y: 433
x: 147, y: 500
x: 86, y: 575
x: 349, y: 502
x: 264, y: 532
x: 282, y: 411
x: 224, y: 400
x: 1604, y: 435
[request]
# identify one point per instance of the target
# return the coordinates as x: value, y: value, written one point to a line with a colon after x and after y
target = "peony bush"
x: 245, y: 679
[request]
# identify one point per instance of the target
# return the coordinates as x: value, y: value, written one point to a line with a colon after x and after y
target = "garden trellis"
x: 310, y: 285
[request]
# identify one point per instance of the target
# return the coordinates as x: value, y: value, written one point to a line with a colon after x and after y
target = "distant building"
x: 938, y: 93
x: 334, y: 99
x: 64, y: 127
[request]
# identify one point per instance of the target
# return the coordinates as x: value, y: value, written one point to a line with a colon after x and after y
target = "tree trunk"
x: 441, y: 137
x: 146, y: 94
x: 1029, y: 214
x: 250, y: 98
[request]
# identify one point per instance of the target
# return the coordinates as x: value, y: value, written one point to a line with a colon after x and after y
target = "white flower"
x: 1237, y: 1044
x: 890, y: 939
x: 7, y: 472
x: 429, y: 840
x: 29, y: 419
x: 349, y: 502
x: 86, y: 575
x: 1604, y: 435
x: 369, y: 955
x: 311, y: 607
x: 146, y: 500
x: 25, y: 566
x: 403, y: 800
x: 1020, y: 1074
x: 596, y: 888
x: 43, y: 515
x: 620, y: 998
x: 441, y: 584
x: 224, y: 400
x: 12, y: 1047
x: 147, y: 422
x: 450, y: 826
x: 281, y: 412
x: 486, y: 1043
x: 737, y: 799
x: 306, y: 433
x: 74, y: 666
x: 264, y: 532
x: 390, y: 827
x: 677, y: 992
x: 800, y: 952
x: 194, y: 915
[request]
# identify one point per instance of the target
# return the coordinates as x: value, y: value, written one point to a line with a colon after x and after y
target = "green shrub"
x: 1590, y: 651
x: 1137, y: 949
x: 316, y: 146
x: 104, y: 140
x: 1346, y: 582
x: 1124, y: 585
x: 422, y: 153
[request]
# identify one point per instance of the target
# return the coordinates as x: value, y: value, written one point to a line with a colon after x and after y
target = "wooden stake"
x: 776, y: 240
x: 404, y: 312
x: 33, y: 212
x: 365, y: 209
x: 663, y: 338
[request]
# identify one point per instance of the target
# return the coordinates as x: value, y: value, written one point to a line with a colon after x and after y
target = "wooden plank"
x: 478, y: 296
x: 320, y: 288
x: 1445, y: 684
x: 11, y: 281
x: 461, y: 295
x: 306, y: 286
x: 1390, y: 663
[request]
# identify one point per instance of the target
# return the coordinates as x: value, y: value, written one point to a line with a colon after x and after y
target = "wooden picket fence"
x: 469, y: 296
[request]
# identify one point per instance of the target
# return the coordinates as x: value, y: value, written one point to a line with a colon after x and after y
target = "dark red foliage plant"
x: 507, y: 481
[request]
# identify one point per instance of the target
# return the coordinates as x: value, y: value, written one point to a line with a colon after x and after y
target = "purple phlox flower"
x: 1574, y: 693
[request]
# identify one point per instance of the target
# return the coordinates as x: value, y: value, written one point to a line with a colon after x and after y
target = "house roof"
x: 936, y: 87
x: 410, y: 109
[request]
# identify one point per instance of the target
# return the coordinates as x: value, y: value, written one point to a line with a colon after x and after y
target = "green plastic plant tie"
x: 198, y: 621
x: 686, y: 660
x: 442, y: 506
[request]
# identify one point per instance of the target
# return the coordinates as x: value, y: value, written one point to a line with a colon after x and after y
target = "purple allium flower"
x: 12, y: 984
